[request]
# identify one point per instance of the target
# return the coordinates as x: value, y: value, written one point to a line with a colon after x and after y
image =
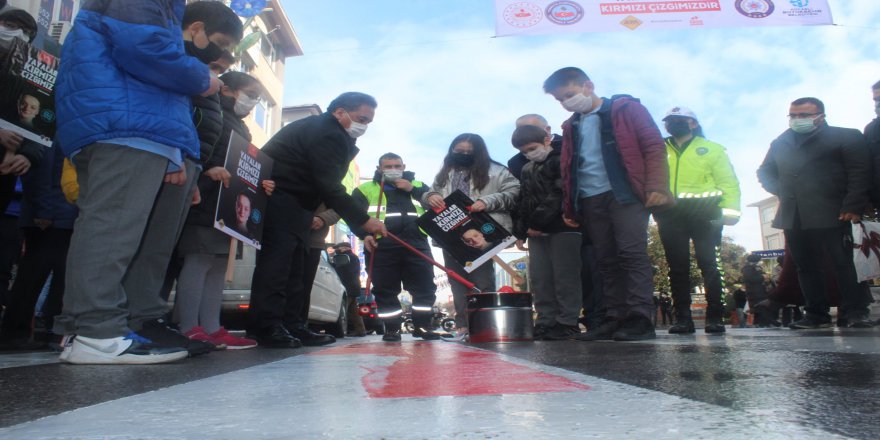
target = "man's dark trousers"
x: 276, y: 287
x: 395, y: 265
x: 676, y: 234
x: 806, y: 247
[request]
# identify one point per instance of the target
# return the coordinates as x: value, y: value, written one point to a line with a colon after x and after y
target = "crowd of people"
x: 122, y: 204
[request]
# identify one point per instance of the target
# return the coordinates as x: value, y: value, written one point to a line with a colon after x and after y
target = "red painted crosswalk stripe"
x: 426, y: 369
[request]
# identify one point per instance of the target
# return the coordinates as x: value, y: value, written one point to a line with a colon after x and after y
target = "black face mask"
x: 207, y: 55
x: 678, y: 128
x: 462, y: 159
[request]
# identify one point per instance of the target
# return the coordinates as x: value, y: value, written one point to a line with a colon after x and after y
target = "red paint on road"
x: 426, y: 369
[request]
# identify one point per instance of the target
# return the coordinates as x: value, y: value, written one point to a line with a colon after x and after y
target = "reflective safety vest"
x: 703, y: 171
x: 370, y: 190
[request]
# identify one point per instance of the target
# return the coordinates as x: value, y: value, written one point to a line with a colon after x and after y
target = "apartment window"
x: 263, y: 115
x: 767, y: 214
x: 774, y: 241
x: 268, y: 50
x: 260, y: 113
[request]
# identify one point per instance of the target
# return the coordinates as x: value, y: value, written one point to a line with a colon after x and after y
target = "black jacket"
x: 311, y: 158
x: 203, y: 213
x: 396, y: 201
x: 754, y: 282
x: 817, y: 176
x: 539, y: 205
x: 208, y: 119
x: 872, y: 135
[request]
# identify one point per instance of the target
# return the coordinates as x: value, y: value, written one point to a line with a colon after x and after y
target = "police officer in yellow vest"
x: 707, y: 198
x: 399, y: 208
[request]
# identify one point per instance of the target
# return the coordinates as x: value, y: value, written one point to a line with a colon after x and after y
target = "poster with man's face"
x: 241, y: 207
x: 27, y: 91
x: 471, y: 237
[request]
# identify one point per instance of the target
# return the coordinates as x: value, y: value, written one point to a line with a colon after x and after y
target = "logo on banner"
x: 696, y: 21
x: 523, y: 14
x: 801, y: 9
x: 564, y: 12
x: 754, y: 8
x: 631, y: 22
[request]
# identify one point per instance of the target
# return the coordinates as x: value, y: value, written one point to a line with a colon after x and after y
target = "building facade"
x: 771, y: 238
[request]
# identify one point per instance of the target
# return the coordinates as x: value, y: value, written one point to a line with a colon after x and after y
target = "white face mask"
x: 538, y: 155
x: 391, y: 176
x: 356, y: 129
x: 244, y: 104
x: 579, y: 103
x: 7, y: 34
x: 802, y: 125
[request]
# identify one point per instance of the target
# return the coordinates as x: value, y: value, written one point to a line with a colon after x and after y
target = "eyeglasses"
x: 802, y: 115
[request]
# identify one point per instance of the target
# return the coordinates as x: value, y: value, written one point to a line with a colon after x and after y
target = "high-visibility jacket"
x: 701, y: 171
x: 370, y: 191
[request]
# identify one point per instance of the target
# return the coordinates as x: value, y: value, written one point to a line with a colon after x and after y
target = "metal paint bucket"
x: 500, y: 317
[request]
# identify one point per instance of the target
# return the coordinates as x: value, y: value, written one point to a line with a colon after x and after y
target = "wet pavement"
x: 749, y: 384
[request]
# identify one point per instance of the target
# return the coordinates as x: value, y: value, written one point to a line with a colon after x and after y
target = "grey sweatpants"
x: 555, y: 278
x: 127, y: 226
x: 200, y: 291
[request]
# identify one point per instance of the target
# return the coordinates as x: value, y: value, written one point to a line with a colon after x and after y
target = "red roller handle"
x: 449, y: 272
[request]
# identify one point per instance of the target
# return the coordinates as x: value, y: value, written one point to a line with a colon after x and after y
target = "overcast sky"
x: 437, y: 71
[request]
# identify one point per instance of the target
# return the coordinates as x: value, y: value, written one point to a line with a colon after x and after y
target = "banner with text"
x: 566, y: 16
x: 27, y: 91
x: 241, y: 206
x: 472, y: 238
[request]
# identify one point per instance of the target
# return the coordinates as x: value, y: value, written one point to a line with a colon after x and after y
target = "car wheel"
x: 338, y: 328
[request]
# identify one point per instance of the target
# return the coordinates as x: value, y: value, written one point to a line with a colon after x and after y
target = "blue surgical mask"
x: 802, y: 125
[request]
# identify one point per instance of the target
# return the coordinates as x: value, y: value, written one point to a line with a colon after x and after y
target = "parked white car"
x: 327, y: 310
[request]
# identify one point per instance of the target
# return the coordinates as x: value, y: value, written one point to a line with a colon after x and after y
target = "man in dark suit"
x: 821, y: 175
x: 872, y: 135
x: 311, y: 157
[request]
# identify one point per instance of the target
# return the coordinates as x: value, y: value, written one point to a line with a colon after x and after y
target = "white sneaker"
x: 66, y: 343
x: 130, y: 349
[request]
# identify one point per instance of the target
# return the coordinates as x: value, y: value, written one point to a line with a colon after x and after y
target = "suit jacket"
x: 872, y: 136
x: 817, y: 176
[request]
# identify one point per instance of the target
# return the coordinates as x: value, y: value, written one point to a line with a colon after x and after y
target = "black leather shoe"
x: 427, y: 335
x: 275, y: 336
x: 310, y: 338
x: 714, y: 327
x: 682, y: 326
x: 603, y: 332
x: 391, y: 335
x: 635, y: 328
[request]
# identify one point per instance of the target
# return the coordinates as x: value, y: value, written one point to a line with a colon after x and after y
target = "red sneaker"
x: 197, y: 333
x: 230, y: 341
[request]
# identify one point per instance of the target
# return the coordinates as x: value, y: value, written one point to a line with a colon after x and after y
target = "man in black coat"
x: 872, y: 135
x: 311, y: 157
x: 821, y: 175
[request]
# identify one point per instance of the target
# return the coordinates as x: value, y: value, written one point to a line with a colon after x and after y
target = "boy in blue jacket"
x: 124, y: 118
